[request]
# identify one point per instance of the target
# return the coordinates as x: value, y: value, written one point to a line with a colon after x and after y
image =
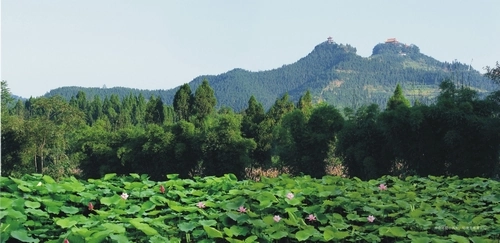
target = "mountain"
x: 333, y: 73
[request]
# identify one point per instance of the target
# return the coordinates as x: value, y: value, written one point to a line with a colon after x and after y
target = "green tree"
x: 6, y: 97
x: 50, y: 127
x: 183, y: 101
x: 96, y: 109
x: 321, y: 130
x: 224, y: 149
x: 186, y: 149
x: 361, y: 145
x: 155, y: 111
x: 290, y: 142
x: 253, y: 116
x: 397, y: 99
x: 493, y: 73
x: 139, y: 110
x: 305, y: 103
x: 157, y: 152
x: 204, y: 100
x: 281, y: 107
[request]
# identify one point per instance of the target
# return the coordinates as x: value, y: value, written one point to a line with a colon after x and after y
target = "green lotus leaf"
x: 119, y: 238
x: 148, y: 206
x: 67, y: 222
x: 48, y: 179
x: 114, y: 228
x: 238, y: 217
x: 14, y: 214
x: 111, y: 200
x: 187, y: 226
x: 23, y: 188
x: 419, y: 239
x: 69, y: 210
x: 313, y: 209
x: 31, y: 204
x: 212, y: 232
x: 108, y: 177
x: 329, y: 235
x: 303, y: 235
x: 83, y: 232
x: 133, y: 209
x: 158, y: 200
x: 251, y: 239
x: 5, y: 202
x: 22, y: 235
x: 145, y: 228
x: 98, y: 236
x: 459, y: 239
x: 161, y: 239
x: 294, y: 201
x: 392, y: 231
x: 259, y: 223
x: 477, y: 239
x: 231, y: 240
x: 208, y: 222
x: 278, y: 235
x: 37, y: 212
x: 234, y: 203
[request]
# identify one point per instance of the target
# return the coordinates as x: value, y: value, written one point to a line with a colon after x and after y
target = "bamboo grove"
x: 88, y: 137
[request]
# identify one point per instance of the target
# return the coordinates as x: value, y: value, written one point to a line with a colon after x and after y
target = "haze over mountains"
x: 333, y: 73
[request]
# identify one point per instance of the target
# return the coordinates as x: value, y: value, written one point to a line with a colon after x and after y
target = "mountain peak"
x: 394, y: 47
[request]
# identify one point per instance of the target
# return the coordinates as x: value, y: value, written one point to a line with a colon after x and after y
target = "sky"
x: 162, y: 44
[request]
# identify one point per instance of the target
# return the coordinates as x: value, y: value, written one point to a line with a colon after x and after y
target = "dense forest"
x: 87, y: 137
x: 333, y: 73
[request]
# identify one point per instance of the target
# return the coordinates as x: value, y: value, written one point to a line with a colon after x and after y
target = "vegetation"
x: 134, y: 208
x: 70, y: 164
x: 333, y: 73
x: 457, y: 135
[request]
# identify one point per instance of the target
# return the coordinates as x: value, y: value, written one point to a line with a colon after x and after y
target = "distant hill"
x: 333, y: 72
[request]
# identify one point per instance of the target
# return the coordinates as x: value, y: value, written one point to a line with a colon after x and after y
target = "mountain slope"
x: 334, y: 73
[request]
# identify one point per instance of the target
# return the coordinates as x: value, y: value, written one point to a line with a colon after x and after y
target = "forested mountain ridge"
x: 333, y: 73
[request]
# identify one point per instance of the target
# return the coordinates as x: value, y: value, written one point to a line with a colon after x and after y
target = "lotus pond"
x: 133, y: 208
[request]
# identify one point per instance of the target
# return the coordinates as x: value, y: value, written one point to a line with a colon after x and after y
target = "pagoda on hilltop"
x: 392, y: 40
x: 329, y: 40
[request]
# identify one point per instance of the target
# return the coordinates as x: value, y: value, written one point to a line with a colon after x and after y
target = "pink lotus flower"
x: 370, y: 218
x: 276, y: 218
x: 124, y: 196
x: 91, y: 206
x: 311, y: 217
x: 382, y: 187
x: 66, y: 241
x: 162, y: 189
x: 242, y: 209
x: 289, y: 195
x: 201, y: 205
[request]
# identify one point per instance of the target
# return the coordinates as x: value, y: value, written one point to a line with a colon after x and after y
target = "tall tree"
x: 322, y: 128
x: 493, y: 73
x: 186, y: 150
x: 183, y: 101
x: 49, y: 127
x: 204, y: 100
x: 281, y: 107
x: 96, y: 109
x: 397, y: 99
x: 155, y: 111
x: 305, y: 102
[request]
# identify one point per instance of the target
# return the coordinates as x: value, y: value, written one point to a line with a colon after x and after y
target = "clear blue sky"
x: 161, y: 44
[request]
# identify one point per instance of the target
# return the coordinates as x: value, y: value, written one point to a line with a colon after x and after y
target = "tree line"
x: 459, y: 135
